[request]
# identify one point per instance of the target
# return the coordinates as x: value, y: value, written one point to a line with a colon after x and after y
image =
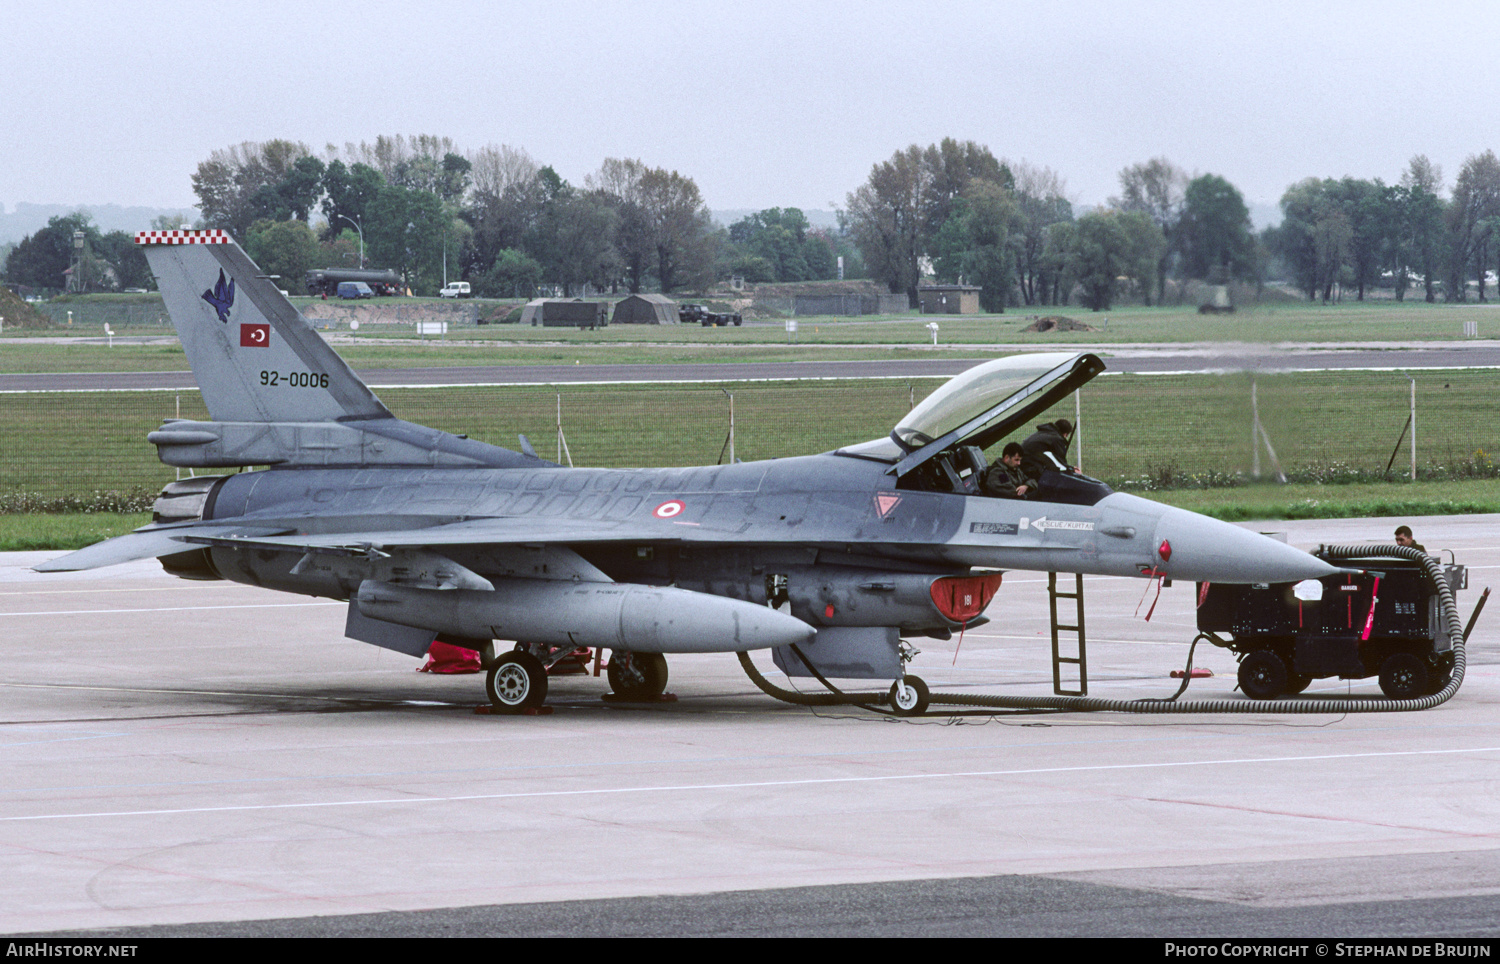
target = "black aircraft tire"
x: 915, y: 703
x: 1439, y: 675
x: 516, y: 683
x: 637, y: 676
x: 1262, y: 675
x: 1403, y: 676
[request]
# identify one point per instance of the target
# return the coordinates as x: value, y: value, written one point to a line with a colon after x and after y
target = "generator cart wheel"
x: 517, y: 682
x: 912, y: 701
x: 1403, y: 676
x: 1263, y: 675
x: 1296, y: 684
x: 1439, y: 675
x: 637, y: 676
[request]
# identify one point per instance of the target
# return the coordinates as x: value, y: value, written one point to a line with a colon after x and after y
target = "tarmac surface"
x: 946, y: 361
x: 214, y: 759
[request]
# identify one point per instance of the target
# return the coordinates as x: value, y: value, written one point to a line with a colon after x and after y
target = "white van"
x: 455, y: 289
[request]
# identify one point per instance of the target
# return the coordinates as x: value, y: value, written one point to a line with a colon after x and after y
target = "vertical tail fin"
x: 255, y: 357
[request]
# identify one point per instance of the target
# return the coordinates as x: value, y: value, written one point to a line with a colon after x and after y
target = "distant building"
x: 949, y: 299
x: 645, y: 310
x: 558, y: 312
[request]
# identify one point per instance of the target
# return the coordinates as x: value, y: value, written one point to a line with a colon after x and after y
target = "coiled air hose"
x: 1448, y: 617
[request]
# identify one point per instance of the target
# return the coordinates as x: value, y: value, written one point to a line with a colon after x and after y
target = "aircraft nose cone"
x: 1207, y: 550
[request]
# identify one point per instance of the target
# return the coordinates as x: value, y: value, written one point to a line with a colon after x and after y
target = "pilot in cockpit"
x: 1006, y: 479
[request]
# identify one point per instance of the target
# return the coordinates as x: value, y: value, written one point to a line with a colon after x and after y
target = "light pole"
x: 361, y: 231
x: 78, y: 261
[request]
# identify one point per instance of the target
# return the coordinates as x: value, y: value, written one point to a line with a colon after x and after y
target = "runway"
x: 208, y: 758
x: 944, y: 362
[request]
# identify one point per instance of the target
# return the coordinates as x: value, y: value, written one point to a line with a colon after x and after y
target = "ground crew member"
x: 1046, y: 449
x: 1404, y: 538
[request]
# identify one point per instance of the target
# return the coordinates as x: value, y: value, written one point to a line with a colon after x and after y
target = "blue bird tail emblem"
x: 221, y: 297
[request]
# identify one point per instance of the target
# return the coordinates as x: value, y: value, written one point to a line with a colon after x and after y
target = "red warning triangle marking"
x: 885, y: 502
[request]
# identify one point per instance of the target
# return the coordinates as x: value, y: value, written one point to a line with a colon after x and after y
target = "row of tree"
x: 952, y: 211
x: 494, y: 216
x: 1356, y: 234
x: 53, y: 258
x: 1011, y: 229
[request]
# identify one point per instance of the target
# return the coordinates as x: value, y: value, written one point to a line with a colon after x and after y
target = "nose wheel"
x: 516, y: 683
x: 909, y: 696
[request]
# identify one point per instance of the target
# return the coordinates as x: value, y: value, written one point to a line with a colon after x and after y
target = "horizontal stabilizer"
x: 143, y: 544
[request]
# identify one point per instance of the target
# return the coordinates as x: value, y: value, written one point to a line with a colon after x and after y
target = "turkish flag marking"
x: 255, y: 336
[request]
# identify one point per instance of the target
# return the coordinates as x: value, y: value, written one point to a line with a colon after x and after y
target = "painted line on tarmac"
x: 76, y: 592
x: 749, y: 785
x: 170, y: 609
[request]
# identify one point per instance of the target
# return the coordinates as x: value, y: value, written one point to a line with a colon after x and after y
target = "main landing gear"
x: 637, y: 677
x: 517, y: 682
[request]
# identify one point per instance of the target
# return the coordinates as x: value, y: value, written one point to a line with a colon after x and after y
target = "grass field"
x: 31, y: 532
x: 54, y: 357
x: 1134, y: 427
x: 396, y: 346
x: 1383, y: 320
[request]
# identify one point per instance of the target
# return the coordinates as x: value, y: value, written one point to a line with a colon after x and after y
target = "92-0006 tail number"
x: 295, y: 379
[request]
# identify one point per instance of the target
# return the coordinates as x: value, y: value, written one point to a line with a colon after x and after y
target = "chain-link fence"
x: 120, y: 314
x: 1167, y: 428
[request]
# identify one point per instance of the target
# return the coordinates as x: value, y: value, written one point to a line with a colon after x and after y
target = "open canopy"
x: 982, y: 406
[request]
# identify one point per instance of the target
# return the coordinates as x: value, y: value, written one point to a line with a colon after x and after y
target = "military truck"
x: 326, y: 281
x: 687, y: 314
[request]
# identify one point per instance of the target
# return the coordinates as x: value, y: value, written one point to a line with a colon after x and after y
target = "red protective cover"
x: 446, y: 658
x: 961, y: 598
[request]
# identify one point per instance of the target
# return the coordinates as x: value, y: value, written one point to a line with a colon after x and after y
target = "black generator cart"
x: 1378, y: 618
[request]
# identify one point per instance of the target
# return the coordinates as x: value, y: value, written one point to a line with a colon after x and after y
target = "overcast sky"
x: 770, y: 103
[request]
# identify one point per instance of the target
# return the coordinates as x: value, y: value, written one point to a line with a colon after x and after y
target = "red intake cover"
x: 961, y: 598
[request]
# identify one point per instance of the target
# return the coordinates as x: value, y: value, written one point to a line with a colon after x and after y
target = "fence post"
x: 1254, y: 433
x: 728, y: 445
x: 1413, y: 428
x: 562, y: 442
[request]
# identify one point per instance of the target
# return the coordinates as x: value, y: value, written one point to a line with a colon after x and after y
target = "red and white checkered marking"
x: 182, y: 237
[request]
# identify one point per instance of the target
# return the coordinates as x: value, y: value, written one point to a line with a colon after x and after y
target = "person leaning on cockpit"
x: 1006, y: 479
x: 1047, y: 448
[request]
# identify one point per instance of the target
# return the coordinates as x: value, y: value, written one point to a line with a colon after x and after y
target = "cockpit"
x: 940, y: 445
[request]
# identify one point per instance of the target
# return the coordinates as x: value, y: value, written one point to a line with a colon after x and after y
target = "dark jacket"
x: 1046, y: 440
x: 1001, y: 482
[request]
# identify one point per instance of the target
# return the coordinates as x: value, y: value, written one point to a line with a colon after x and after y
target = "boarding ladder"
x: 1073, y: 633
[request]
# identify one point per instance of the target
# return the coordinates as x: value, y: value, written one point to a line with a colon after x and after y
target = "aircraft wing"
x: 146, y: 543
x: 472, y: 532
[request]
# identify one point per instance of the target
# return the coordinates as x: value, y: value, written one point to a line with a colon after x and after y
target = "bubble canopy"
x: 990, y: 389
x: 983, y: 405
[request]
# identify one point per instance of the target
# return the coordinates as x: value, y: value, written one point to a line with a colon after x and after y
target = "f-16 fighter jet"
x: 829, y: 560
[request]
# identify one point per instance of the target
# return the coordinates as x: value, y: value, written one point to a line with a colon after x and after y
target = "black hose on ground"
x: 1449, y: 619
x: 832, y: 698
